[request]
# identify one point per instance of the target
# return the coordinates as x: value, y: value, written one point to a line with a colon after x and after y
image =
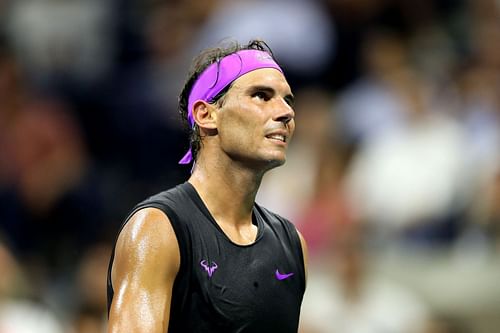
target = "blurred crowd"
x: 393, y: 176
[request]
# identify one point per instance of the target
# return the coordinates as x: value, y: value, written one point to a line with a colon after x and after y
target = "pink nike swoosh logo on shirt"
x: 280, y: 276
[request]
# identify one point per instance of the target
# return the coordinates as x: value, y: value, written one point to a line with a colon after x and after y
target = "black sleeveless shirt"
x: 225, y: 287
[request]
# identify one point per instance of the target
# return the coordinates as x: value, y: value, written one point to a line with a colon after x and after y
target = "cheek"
x: 232, y: 130
x: 239, y: 121
x: 239, y: 130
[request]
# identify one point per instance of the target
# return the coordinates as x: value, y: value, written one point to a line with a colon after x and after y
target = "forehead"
x: 268, y: 77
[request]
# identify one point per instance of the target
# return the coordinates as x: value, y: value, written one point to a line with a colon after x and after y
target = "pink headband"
x: 219, y: 75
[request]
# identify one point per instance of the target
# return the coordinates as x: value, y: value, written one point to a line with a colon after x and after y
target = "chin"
x: 275, y: 162
x: 264, y: 161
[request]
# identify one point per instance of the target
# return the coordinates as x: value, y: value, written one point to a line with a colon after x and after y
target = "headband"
x: 221, y: 74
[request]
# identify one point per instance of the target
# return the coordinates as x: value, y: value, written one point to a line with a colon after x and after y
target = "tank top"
x: 225, y: 287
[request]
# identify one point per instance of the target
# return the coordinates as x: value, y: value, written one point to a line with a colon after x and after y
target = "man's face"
x: 256, y: 120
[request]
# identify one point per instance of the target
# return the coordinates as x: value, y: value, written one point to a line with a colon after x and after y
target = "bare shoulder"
x: 148, y: 237
x: 144, y: 268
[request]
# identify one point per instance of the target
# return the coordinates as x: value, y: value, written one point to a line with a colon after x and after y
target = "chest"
x: 260, y: 284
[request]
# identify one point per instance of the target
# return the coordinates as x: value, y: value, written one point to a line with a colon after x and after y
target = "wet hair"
x: 199, y: 64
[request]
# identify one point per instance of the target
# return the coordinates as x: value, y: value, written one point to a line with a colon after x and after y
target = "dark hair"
x: 199, y: 64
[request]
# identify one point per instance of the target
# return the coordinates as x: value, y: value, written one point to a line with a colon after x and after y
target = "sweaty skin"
x: 146, y: 262
x: 243, y: 138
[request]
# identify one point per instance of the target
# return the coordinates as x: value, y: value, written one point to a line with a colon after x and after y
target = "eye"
x: 261, y: 95
x: 290, y: 101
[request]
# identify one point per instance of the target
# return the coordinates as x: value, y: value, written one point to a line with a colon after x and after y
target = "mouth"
x: 278, y: 137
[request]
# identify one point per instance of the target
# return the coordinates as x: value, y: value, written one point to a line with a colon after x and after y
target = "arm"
x: 146, y: 262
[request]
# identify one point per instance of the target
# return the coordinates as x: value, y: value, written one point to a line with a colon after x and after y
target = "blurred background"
x: 393, y: 176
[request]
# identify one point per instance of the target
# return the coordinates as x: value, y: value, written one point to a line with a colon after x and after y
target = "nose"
x: 284, y: 112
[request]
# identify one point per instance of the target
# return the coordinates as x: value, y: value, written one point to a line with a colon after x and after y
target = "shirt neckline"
x: 198, y: 201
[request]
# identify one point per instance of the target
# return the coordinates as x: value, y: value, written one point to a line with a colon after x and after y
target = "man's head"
x: 229, y: 73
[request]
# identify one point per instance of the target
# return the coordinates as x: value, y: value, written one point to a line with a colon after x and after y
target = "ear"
x: 204, y: 115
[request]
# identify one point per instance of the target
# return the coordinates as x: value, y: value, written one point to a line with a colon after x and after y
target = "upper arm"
x: 145, y: 265
x: 304, y: 251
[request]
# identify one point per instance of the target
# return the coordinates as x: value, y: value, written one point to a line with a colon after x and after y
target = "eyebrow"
x: 290, y: 98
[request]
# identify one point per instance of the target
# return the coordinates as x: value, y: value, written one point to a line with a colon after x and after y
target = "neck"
x: 227, y: 189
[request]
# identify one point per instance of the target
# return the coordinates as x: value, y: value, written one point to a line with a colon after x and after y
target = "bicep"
x: 146, y: 262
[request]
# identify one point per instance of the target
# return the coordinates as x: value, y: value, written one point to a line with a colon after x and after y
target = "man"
x: 203, y: 256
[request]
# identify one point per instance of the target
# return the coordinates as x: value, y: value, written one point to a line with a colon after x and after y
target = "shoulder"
x: 147, y: 240
x: 168, y: 197
x: 170, y: 202
x: 148, y: 222
x: 142, y: 273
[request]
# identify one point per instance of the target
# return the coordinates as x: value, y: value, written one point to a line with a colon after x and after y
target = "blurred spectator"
x: 445, y: 324
x: 12, y: 282
x: 70, y: 40
x: 434, y: 55
x: 51, y: 161
x: 46, y: 185
x: 48, y: 166
x: 299, y: 32
x: 328, y: 214
x: 478, y: 108
x: 479, y: 98
x: 372, y: 104
x: 169, y: 57
x: 141, y: 97
x: 10, y: 98
x: 90, y: 313
x: 483, y: 233
x: 392, y: 181
x: 17, y: 314
x: 345, y: 296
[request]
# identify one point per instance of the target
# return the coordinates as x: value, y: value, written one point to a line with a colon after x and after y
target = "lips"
x: 280, y: 136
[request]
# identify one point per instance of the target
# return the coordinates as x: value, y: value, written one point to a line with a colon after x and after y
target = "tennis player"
x: 203, y: 256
